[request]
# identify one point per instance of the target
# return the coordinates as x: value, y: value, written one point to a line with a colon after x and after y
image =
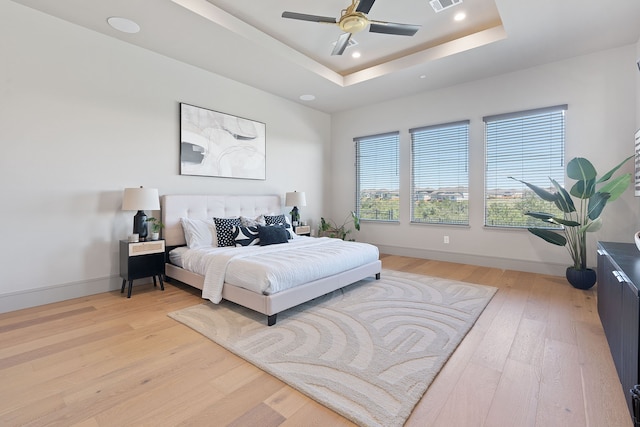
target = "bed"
x: 205, y: 207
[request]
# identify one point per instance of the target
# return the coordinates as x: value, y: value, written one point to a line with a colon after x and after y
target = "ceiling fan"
x: 354, y: 19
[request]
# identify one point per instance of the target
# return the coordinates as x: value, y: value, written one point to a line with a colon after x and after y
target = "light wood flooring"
x: 537, y: 356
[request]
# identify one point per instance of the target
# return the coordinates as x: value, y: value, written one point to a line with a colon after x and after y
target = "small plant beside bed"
x: 328, y: 228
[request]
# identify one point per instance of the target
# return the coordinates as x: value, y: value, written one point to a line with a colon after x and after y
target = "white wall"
x: 82, y: 116
x: 601, y: 122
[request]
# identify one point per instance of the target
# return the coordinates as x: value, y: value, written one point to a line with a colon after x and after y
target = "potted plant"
x: 156, y: 226
x: 328, y: 228
x: 581, y: 217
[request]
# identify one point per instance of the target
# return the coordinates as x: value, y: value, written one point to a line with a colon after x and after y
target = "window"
x: 528, y: 145
x: 440, y: 174
x: 377, y: 181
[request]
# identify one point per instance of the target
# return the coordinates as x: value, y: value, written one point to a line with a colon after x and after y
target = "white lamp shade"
x: 140, y: 199
x: 295, y: 199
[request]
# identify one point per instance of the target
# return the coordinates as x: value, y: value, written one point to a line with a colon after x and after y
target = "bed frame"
x: 205, y: 207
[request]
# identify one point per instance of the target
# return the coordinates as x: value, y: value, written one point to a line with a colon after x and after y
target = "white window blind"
x: 527, y: 145
x: 377, y: 177
x: 440, y: 174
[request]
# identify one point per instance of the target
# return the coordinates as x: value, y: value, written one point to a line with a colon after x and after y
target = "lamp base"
x: 140, y: 225
x: 295, y: 216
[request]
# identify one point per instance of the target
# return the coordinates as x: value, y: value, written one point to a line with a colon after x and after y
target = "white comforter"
x: 271, y: 269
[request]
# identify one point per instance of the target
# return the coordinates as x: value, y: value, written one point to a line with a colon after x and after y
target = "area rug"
x: 368, y: 351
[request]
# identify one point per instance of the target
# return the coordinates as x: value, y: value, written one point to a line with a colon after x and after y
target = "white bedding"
x: 271, y: 269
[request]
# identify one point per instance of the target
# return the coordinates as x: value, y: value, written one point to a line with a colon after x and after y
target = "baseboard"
x: 34, y: 297
x: 17, y: 300
x: 486, y: 261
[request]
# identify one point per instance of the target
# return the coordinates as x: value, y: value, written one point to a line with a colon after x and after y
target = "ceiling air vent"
x: 351, y: 42
x: 440, y: 5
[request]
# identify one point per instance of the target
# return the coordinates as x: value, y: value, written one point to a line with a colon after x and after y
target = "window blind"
x: 527, y: 145
x: 440, y: 174
x: 377, y: 177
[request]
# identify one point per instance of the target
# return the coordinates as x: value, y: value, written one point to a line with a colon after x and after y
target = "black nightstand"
x: 139, y: 260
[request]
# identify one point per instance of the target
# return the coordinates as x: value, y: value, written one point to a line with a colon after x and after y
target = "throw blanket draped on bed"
x: 270, y: 269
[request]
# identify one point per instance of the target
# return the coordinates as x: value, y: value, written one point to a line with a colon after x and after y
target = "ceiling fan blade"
x: 305, y: 17
x: 393, y: 28
x: 341, y: 44
x: 365, y: 6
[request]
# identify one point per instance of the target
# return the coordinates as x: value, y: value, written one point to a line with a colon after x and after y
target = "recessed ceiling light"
x: 123, y: 24
x: 355, y: 55
x: 460, y: 16
x: 307, y: 97
x: 424, y: 76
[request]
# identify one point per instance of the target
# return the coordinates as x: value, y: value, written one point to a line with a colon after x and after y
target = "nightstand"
x: 302, y: 230
x: 139, y: 260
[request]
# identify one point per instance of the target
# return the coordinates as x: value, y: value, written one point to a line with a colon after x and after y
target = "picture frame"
x: 217, y: 144
x: 637, y: 165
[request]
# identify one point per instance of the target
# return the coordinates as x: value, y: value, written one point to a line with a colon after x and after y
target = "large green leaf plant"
x: 329, y: 228
x: 583, y: 216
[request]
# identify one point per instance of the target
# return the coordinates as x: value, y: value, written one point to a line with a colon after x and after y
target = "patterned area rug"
x: 369, y: 351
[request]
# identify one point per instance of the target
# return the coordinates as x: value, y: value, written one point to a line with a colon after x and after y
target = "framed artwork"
x: 637, y: 168
x: 221, y: 145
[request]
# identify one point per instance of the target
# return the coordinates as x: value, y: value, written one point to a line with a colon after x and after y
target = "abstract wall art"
x: 221, y: 145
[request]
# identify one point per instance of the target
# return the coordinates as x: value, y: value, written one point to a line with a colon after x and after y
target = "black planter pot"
x: 581, y: 279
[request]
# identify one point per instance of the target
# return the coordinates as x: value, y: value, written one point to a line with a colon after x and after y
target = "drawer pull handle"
x: 619, y: 276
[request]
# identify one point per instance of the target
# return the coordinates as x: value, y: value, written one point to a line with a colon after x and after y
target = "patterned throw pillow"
x: 245, y: 236
x: 223, y: 230
x: 276, y: 220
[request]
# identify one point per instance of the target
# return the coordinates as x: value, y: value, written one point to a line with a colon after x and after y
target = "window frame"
x: 558, y: 147
x: 455, y: 143
x: 381, y: 138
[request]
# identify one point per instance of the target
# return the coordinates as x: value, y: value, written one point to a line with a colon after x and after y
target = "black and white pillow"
x: 276, y: 220
x: 245, y: 236
x: 223, y: 230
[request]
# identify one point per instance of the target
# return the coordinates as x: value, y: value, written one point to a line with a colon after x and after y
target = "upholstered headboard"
x: 176, y: 206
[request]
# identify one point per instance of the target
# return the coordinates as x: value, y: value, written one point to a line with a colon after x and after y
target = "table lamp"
x: 140, y: 199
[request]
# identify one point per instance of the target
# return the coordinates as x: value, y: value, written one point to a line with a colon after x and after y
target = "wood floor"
x: 536, y: 357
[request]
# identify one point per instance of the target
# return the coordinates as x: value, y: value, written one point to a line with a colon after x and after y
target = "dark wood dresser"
x: 619, y: 308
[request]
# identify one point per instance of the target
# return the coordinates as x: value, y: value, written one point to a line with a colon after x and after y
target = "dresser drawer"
x: 145, y: 248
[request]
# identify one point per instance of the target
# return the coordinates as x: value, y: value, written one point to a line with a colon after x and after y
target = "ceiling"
x: 249, y: 41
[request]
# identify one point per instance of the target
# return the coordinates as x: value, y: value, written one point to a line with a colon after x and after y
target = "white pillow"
x: 199, y: 233
x: 290, y: 229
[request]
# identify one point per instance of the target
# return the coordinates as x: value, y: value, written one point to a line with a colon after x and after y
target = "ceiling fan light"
x: 353, y: 23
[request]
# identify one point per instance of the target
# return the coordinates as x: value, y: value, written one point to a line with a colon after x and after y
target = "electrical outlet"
x: 446, y: 239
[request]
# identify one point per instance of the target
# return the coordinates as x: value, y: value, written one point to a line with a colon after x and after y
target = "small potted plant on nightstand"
x: 156, y: 226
